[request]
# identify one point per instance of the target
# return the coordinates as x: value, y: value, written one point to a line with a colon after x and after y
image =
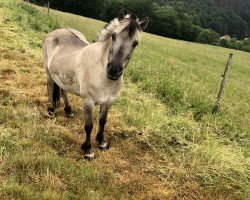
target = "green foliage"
x: 29, y: 17
x: 235, y: 44
x: 246, y: 41
x: 246, y: 48
x: 246, y: 45
x: 93, y: 8
x: 179, y: 19
x: 142, y: 8
x: 208, y: 15
x: 224, y: 43
x: 208, y: 36
x: 165, y: 22
x: 242, y: 8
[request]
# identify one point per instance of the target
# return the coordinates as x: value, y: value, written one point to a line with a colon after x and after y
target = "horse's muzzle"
x: 114, y: 71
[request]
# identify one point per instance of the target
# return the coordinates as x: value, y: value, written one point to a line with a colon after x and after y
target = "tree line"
x: 192, y: 20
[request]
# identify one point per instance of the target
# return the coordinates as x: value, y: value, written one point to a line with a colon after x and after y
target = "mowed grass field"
x: 165, y: 141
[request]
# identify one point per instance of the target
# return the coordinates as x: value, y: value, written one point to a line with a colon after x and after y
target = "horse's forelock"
x: 129, y: 27
x: 132, y: 28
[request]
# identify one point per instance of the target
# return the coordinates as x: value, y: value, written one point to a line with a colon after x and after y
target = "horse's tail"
x: 56, y: 95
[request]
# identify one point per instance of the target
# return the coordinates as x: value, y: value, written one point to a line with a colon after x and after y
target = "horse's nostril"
x: 109, y: 66
x: 119, y: 70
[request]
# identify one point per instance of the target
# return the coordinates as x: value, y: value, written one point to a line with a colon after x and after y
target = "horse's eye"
x: 113, y: 36
x: 135, y: 43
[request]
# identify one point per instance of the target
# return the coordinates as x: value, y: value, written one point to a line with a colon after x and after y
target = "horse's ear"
x: 120, y: 15
x: 143, y: 24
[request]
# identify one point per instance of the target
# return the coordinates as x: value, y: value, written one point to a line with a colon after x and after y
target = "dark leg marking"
x: 102, y: 144
x: 86, y: 146
x: 68, y: 112
x: 50, y: 89
x: 100, y: 136
x: 51, y: 111
x: 67, y: 108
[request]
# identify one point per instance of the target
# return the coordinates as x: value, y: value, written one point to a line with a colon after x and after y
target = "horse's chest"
x: 105, y: 95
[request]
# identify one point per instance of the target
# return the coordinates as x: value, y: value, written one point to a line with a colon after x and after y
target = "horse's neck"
x: 101, y: 51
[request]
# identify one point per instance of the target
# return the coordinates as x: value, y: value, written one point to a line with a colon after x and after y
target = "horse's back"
x: 69, y: 40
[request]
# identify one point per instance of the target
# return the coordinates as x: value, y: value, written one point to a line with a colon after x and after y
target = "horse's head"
x: 123, y: 37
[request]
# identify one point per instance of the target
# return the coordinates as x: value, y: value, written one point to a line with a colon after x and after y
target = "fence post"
x: 48, y: 7
x: 217, y: 104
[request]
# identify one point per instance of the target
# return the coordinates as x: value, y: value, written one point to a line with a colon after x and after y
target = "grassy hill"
x: 166, y: 143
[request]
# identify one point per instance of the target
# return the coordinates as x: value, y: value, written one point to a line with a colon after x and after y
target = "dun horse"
x: 91, y: 71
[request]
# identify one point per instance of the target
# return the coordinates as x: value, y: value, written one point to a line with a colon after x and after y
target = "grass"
x: 167, y: 145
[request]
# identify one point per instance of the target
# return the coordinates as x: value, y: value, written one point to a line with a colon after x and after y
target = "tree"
x: 235, y: 44
x: 165, y: 22
x: 223, y: 43
x: 208, y: 36
x: 142, y: 8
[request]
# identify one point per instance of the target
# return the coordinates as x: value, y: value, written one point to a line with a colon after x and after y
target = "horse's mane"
x: 129, y: 25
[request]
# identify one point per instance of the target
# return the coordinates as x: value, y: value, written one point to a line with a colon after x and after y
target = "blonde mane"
x: 114, y: 26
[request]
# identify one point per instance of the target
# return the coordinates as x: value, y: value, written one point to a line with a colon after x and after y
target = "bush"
x: 235, y: 44
x: 246, y: 48
x: 196, y: 32
x: 223, y: 43
x: 246, y: 42
x: 208, y: 36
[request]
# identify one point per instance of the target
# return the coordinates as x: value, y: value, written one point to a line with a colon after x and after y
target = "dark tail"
x: 56, y: 95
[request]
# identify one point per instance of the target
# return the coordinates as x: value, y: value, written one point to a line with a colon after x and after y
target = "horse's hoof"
x: 68, y: 112
x: 71, y: 115
x: 104, y: 146
x: 89, y: 156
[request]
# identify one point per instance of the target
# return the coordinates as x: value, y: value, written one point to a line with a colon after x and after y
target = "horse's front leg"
x: 102, y: 144
x: 86, y: 146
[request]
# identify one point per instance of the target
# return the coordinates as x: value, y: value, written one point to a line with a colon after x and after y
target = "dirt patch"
x: 5, y: 72
x: 4, y: 93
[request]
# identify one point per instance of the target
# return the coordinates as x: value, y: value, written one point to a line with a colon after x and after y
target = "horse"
x: 93, y: 71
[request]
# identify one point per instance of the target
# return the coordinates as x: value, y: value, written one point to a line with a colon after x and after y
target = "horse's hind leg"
x: 102, y: 144
x: 54, y: 95
x: 67, y: 108
x: 50, y: 88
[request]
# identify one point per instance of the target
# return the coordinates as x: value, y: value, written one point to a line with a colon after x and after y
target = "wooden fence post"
x: 48, y: 7
x: 217, y: 104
